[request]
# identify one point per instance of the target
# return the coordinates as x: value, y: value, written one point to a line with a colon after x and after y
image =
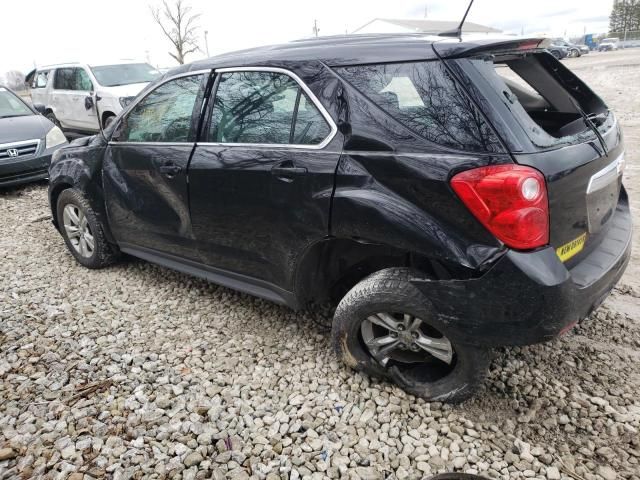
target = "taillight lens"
x: 509, y: 200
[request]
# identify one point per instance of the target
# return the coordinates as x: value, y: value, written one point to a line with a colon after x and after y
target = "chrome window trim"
x: 603, y: 177
x: 135, y: 104
x: 332, y: 126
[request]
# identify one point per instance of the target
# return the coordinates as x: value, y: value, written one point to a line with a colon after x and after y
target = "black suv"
x: 447, y: 196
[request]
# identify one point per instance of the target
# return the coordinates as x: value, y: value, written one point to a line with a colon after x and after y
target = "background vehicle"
x: 608, y: 44
x: 559, y: 50
x: 27, y: 141
x: 573, y: 49
x: 441, y: 220
x: 69, y: 92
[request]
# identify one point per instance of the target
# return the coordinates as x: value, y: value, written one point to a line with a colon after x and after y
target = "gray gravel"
x: 136, y: 371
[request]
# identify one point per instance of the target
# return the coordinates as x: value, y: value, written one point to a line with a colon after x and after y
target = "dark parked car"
x: 573, y: 50
x: 27, y: 140
x: 559, y: 50
x: 443, y: 208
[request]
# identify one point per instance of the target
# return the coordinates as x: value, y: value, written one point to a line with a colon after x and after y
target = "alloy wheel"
x: 404, y: 339
x: 76, y: 226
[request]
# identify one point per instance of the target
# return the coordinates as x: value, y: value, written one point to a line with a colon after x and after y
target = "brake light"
x: 509, y: 200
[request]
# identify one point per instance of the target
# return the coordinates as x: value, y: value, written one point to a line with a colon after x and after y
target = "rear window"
x: 425, y: 98
x: 540, y: 95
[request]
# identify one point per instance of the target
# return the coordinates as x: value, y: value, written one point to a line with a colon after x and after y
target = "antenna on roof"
x: 458, y: 31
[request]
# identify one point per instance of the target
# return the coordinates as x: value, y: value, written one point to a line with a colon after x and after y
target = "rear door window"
x: 262, y: 107
x: 72, y: 79
x: 426, y: 99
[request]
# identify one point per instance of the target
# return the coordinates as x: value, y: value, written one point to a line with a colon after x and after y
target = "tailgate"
x: 583, y: 189
x: 553, y: 122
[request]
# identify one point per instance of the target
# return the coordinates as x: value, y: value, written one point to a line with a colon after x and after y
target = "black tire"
x: 390, y: 290
x: 103, y: 253
x: 556, y: 54
x: 52, y: 118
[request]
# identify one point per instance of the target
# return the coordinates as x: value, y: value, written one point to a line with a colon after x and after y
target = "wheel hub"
x: 76, y: 226
x: 385, y: 334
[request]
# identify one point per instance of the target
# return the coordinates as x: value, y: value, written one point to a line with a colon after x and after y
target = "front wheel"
x: 82, y: 231
x: 386, y: 327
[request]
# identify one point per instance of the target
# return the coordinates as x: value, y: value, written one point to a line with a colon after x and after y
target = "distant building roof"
x: 426, y: 26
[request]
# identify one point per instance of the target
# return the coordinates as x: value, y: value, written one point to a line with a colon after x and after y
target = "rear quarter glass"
x: 425, y: 98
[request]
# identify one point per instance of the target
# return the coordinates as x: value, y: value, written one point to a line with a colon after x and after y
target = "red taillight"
x: 509, y: 200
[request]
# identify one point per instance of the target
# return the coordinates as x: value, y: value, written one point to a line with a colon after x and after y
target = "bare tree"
x: 179, y: 24
x: 14, y: 80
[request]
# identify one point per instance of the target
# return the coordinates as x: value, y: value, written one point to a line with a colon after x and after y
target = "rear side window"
x: 425, y: 98
x: 264, y: 108
x: 165, y: 114
x: 72, y: 79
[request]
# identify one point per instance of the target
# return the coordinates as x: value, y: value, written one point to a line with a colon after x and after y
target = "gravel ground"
x: 136, y: 371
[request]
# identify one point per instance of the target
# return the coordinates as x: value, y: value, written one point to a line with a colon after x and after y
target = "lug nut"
x: 415, y: 347
x: 394, y: 335
x: 400, y: 327
x: 415, y: 335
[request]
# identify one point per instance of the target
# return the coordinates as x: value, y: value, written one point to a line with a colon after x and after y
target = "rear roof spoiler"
x: 445, y: 49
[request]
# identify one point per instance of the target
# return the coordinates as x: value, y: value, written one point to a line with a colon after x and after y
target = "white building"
x: 389, y: 25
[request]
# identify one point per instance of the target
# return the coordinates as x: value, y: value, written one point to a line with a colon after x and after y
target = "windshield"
x: 12, y: 106
x: 125, y: 74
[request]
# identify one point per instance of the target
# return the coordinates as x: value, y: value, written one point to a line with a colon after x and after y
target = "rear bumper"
x: 24, y: 170
x: 531, y: 297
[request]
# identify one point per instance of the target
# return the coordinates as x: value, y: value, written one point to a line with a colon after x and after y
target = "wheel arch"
x: 79, y: 168
x: 329, y: 268
x: 54, y: 193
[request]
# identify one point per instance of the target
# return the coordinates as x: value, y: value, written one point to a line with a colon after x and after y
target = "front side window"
x: 425, y: 98
x: 164, y: 115
x: 72, y: 79
x: 256, y: 107
x: 40, y: 80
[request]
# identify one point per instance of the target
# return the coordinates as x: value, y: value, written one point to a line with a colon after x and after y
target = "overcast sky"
x: 41, y: 32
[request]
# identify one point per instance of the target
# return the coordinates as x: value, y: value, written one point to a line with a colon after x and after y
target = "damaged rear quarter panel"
x: 404, y: 201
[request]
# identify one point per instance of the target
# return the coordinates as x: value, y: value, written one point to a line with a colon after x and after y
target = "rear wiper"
x: 589, y: 123
x: 601, y: 117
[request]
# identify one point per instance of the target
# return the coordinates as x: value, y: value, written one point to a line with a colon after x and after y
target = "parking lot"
x: 137, y: 371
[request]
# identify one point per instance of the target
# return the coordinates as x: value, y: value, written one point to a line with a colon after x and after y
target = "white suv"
x: 67, y: 93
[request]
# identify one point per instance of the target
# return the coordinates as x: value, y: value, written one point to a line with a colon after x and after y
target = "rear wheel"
x: 83, y: 232
x: 385, y: 327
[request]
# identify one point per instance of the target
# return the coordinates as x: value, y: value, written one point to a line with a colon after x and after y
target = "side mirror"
x: 88, y: 102
x: 40, y: 108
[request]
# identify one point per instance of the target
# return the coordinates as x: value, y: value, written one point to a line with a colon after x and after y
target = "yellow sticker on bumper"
x: 568, y: 250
